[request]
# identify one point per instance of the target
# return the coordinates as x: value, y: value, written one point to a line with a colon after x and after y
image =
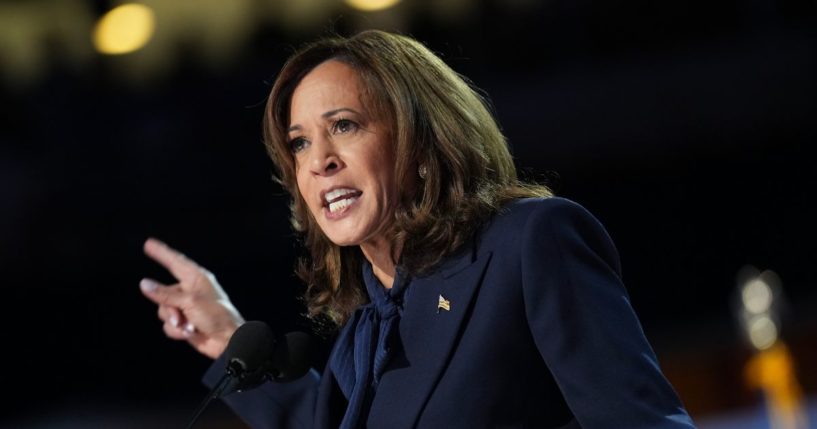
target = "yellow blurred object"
x: 371, y: 5
x: 772, y: 371
x: 124, y: 29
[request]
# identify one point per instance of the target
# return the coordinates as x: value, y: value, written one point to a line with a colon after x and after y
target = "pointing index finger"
x: 179, y: 265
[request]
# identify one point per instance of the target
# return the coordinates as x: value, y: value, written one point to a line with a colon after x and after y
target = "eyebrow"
x: 326, y: 115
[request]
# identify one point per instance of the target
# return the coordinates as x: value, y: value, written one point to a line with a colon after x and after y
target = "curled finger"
x: 188, y: 330
x: 171, y: 315
x: 174, y: 332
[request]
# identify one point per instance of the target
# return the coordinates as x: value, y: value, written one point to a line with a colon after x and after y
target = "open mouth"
x: 340, y: 198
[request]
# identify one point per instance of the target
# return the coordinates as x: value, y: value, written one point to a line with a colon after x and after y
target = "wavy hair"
x: 438, y: 122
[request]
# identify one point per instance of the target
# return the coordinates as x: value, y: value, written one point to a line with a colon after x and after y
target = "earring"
x: 422, y: 171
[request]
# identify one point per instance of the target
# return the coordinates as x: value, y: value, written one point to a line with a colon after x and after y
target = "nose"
x: 324, y: 160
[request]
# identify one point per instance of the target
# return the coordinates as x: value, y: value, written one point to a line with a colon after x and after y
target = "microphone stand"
x: 216, y: 393
x: 252, y: 356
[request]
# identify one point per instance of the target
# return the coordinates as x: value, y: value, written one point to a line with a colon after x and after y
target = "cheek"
x: 383, y: 163
x: 387, y: 170
x: 303, y: 186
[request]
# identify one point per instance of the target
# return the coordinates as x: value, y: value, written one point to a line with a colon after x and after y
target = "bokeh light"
x: 124, y: 29
x: 757, y: 296
x: 371, y: 5
x: 762, y: 332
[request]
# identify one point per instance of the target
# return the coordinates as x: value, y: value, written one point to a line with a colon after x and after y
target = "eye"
x: 297, y: 144
x: 343, y: 126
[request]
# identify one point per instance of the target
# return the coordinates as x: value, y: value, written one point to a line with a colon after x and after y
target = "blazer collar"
x: 429, y: 332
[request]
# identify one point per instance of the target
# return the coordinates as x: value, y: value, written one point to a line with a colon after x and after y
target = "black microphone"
x: 254, y: 355
x: 291, y: 358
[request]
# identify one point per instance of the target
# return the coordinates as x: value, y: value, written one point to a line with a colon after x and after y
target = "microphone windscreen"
x: 250, y: 346
x: 292, y: 357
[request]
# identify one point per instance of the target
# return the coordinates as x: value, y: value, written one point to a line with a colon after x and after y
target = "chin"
x: 341, y: 238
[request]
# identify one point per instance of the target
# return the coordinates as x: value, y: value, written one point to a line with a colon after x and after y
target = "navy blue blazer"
x: 539, y: 333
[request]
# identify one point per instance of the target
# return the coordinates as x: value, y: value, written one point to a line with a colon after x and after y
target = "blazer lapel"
x: 436, y: 307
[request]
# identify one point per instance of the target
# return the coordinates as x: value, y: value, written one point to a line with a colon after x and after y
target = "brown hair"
x: 438, y: 121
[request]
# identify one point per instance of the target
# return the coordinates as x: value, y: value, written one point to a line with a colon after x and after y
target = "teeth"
x: 342, y: 204
x: 331, y: 195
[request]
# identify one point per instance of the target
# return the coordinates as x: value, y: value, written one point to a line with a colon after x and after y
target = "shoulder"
x: 538, y: 226
x: 543, y: 204
x: 526, y: 213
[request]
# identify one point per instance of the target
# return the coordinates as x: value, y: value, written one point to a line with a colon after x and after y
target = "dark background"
x: 683, y: 126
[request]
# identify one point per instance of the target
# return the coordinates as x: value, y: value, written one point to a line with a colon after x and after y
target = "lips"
x: 339, y: 198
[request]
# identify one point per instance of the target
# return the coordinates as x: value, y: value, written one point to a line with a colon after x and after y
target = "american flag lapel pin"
x: 443, y: 304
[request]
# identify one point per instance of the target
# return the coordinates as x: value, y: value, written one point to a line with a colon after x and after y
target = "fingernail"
x: 148, y: 286
x: 189, y: 329
x: 174, y: 320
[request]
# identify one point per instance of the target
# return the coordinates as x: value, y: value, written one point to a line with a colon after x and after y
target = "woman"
x: 461, y: 296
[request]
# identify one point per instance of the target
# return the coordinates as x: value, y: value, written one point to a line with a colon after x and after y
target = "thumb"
x: 161, y: 294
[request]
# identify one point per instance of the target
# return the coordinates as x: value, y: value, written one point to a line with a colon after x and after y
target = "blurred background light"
x: 124, y: 29
x: 371, y: 5
x: 38, y: 36
x: 757, y: 296
x: 762, y: 332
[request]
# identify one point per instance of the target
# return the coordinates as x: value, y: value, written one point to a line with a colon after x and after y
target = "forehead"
x: 330, y: 85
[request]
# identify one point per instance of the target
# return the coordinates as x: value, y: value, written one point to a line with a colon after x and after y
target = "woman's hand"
x: 195, y: 309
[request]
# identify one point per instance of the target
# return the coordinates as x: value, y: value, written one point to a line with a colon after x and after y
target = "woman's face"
x: 344, y: 157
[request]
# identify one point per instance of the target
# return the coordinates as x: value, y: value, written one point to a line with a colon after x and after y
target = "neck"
x: 378, y: 253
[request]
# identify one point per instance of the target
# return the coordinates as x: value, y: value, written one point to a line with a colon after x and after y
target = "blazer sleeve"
x: 271, y: 405
x: 584, y: 326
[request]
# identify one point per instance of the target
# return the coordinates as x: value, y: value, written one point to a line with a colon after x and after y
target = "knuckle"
x: 204, y: 278
x: 164, y: 299
x: 185, y: 301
